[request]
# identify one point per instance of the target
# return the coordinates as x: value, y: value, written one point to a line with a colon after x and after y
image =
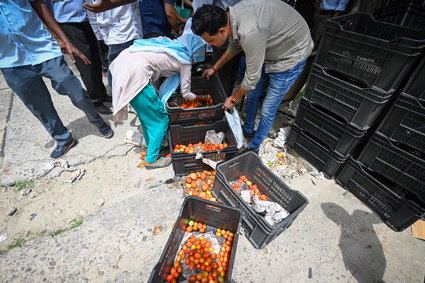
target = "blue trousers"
x: 113, y: 51
x: 28, y: 84
x: 278, y: 84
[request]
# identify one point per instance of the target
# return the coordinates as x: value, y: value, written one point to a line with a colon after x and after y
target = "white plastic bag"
x: 235, y: 124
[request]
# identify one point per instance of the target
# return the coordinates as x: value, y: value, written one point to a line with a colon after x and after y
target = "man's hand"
x: 71, y: 50
x: 228, y: 104
x: 208, y: 73
x: 105, y: 5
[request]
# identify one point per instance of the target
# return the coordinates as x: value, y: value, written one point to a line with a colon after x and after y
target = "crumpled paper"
x: 77, y: 174
x: 280, y: 141
x: 55, y: 163
x: 274, y: 212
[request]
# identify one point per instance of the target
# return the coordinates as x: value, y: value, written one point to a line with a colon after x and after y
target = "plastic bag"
x: 235, y: 124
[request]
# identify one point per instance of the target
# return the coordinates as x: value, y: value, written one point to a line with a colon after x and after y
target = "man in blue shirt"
x: 27, y: 53
x: 72, y: 18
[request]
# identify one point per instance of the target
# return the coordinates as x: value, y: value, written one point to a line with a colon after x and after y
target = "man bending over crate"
x: 276, y: 41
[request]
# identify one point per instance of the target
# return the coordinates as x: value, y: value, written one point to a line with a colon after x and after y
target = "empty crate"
x: 339, y: 136
x: 315, y: 152
x: 377, y: 53
x: 389, y: 201
x: 405, y: 168
x: 356, y: 104
x: 405, y: 123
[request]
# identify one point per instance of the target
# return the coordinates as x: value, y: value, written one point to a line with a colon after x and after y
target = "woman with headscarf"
x: 133, y: 71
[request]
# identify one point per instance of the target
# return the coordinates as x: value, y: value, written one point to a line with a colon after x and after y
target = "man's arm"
x: 226, y: 57
x: 44, y: 13
x: 105, y: 5
x: 171, y: 14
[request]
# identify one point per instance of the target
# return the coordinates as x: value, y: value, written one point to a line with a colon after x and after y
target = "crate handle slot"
x: 213, y: 208
x: 234, y: 163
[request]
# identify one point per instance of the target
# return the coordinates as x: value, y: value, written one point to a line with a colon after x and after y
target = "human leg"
x: 279, y: 85
x: 66, y: 83
x: 113, y: 51
x: 30, y: 88
x: 253, y: 103
x: 82, y: 36
x: 154, y: 120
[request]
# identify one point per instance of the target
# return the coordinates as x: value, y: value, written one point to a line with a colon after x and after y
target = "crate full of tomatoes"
x: 208, y: 108
x: 188, y: 142
x: 202, y: 245
x: 268, y: 205
x: 199, y: 184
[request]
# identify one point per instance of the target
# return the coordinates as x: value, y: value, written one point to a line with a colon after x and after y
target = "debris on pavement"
x: 11, y: 210
x: 33, y: 216
x: 3, y: 237
x: 77, y: 174
x: 26, y: 192
x: 280, y: 140
x: 286, y: 165
x: 318, y: 175
x: 100, y: 202
x: 55, y: 163
x: 157, y: 230
x: 133, y: 138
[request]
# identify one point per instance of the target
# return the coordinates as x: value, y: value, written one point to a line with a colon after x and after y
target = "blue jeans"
x: 113, y: 51
x: 278, y: 84
x: 28, y: 84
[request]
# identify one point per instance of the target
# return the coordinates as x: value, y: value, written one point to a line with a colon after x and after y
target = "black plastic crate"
x: 355, y: 105
x: 185, y: 163
x: 338, y: 136
x: 389, y: 202
x: 200, y: 85
x: 405, y: 13
x: 377, y: 53
x: 315, y: 152
x: 404, y: 167
x: 206, y: 212
x: 416, y: 85
x: 257, y: 230
x: 405, y: 123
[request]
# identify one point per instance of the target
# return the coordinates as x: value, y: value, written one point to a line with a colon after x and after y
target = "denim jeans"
x: 28, y: 84
x: 278, y: 84
x: 113, y: 51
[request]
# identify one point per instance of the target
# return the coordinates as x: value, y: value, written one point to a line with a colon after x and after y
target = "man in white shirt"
x: 118, y: 27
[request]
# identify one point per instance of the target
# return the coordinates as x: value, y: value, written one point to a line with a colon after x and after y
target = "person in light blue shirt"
x: 73, y: 19
x: 28, y: 53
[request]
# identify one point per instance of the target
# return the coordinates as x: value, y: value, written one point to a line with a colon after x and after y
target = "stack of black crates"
x: 189, y: 126
x: 360, y: 69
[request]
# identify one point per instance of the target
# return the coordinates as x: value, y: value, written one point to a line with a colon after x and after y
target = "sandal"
x: 165, y: 161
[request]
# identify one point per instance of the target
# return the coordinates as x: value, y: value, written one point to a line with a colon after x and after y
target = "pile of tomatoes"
x: 193, y: 148
x: 201, y: 101
x: 200, y: 184
x: 243, y: 183
x: 198, y: 254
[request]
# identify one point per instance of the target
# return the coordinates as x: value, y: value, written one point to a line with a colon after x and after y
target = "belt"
x: 327, y: 12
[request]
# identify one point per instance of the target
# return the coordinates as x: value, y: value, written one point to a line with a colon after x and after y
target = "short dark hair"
x: 208, y: 18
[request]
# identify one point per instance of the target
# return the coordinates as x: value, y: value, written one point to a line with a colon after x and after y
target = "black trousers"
x: 82, y: 36
x: 227, y: 73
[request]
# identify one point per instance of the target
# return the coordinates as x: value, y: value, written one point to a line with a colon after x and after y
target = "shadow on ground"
x: 361, y: 249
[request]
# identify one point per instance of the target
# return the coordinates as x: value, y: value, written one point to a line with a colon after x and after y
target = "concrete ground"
x: 335, y: 239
